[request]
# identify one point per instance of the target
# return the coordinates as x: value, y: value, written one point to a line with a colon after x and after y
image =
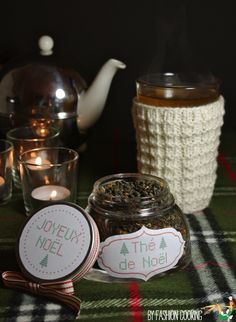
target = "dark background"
x: 146, y: 35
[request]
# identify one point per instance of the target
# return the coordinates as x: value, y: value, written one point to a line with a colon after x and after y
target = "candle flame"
x: 38, y: 161
x: 42, y: 132
x: 53, y: 195
x: 46, y: 180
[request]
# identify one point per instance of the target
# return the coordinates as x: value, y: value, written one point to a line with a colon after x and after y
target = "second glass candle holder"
x: 28, y: 138
x: 48, y: 174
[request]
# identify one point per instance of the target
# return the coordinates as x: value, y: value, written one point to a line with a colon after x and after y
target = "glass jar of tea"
x: 177, y: 120
x: 177, y: 90
x: 143, y: 232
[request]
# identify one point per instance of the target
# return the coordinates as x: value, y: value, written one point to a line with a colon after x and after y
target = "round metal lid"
x: 57, y: 242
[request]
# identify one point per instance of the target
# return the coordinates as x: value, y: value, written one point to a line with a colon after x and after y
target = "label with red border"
x: 142, y: 254
x: 55, y: 242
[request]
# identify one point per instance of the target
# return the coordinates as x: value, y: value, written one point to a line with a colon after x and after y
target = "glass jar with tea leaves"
x: 143, y: 232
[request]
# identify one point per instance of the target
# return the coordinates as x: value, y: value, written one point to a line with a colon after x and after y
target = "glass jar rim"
x: 144, y: 203
x: 22, y: 161
x: 179, y: 80
x: 11, y: 136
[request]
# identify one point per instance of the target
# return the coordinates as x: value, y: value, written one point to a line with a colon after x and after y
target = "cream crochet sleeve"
x: 181, y: 146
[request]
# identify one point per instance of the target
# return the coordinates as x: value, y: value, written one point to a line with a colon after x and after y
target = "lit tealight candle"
x: 50, y: 193
x: 38, y: 164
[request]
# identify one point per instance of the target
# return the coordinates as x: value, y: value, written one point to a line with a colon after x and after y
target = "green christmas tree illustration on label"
x: 124, y: 249
x: 44, y: 261
x: 163, y: 243
x: 142, y: 254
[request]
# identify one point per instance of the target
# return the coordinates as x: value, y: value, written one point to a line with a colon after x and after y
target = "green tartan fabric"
x: 210, y: 278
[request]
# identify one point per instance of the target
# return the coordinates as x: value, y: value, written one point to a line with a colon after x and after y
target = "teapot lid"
x: 40, y: 89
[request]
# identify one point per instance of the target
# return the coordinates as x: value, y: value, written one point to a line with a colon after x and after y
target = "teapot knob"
x: 45, y: 44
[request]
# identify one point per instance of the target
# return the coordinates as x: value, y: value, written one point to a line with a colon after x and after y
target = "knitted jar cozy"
x: 180, y: 144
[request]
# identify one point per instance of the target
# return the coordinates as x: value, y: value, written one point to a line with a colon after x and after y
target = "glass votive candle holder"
x: 48, y: 174
x: 28, y: 138
x: 6, y: 159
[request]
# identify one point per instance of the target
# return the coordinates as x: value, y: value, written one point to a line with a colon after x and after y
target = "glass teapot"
x: 42, y: 94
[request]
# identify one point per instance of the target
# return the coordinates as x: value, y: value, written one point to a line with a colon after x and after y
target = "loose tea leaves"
x: 126, y: 191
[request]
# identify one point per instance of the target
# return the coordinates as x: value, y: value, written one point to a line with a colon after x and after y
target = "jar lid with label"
x: 57, y: 242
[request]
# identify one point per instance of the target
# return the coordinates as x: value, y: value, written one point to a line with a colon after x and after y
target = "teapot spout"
x: 91, y: 103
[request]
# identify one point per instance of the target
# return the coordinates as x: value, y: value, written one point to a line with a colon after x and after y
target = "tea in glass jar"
x: 143, y: 232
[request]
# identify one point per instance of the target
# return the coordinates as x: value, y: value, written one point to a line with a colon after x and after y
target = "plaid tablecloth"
x: 209, y: 279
